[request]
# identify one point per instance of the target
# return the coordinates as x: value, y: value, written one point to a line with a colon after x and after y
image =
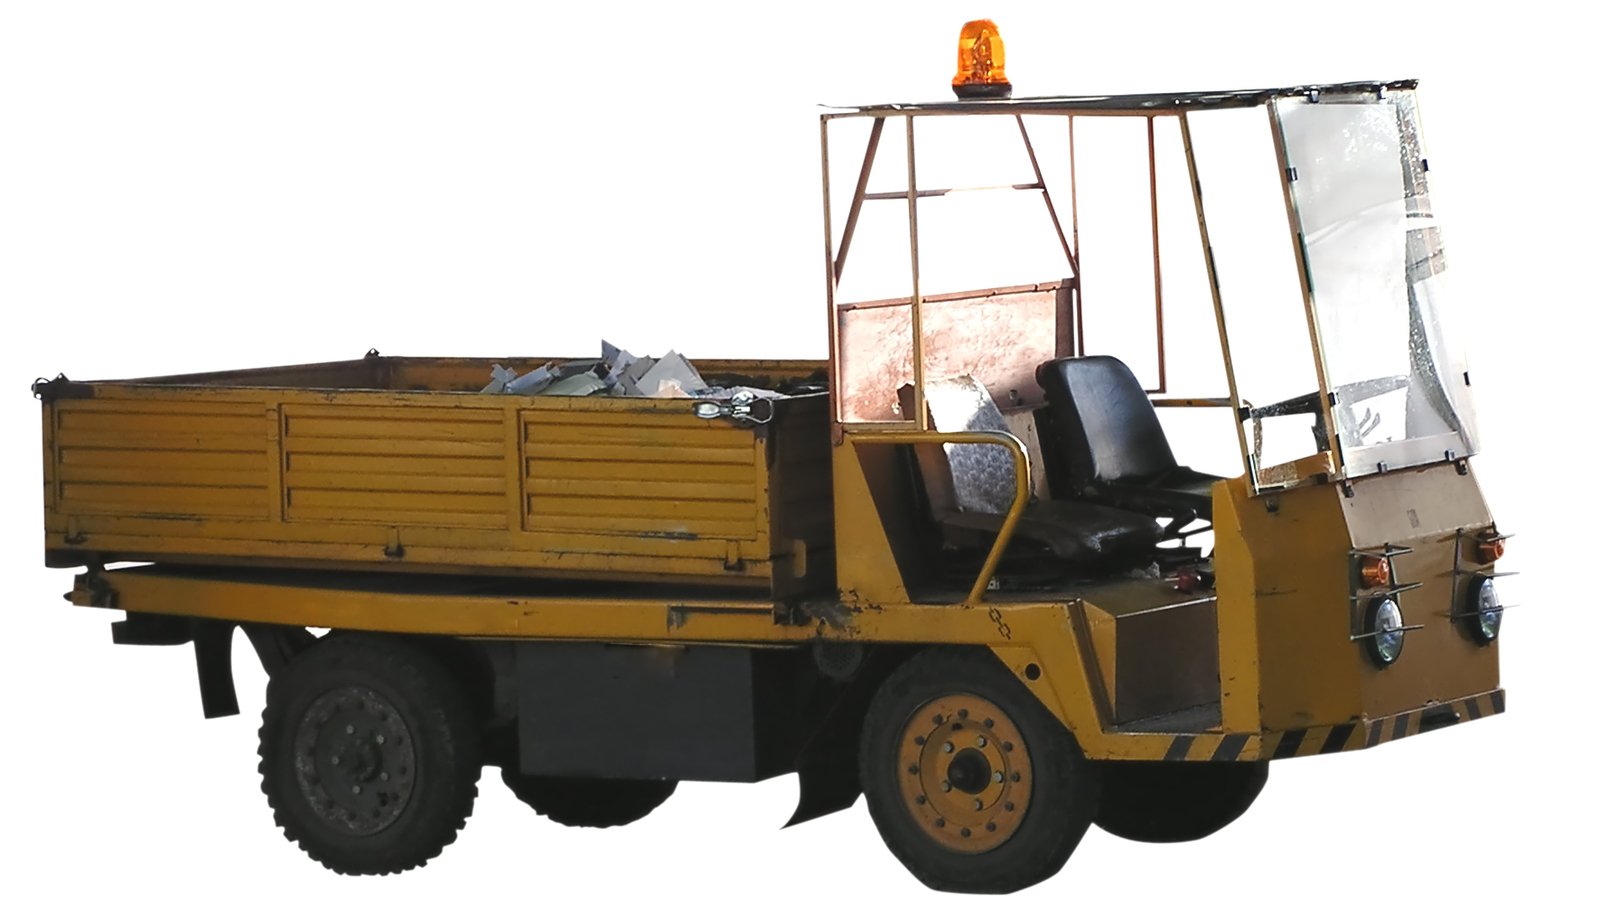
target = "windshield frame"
x: 1443, y: 371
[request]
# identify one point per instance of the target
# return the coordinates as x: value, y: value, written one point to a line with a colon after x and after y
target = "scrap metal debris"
x: 618, y: 373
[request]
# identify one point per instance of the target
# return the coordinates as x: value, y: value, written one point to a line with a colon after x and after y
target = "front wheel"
x: 1159, y: 802
x: 974, y: 786
x: 369, y: 754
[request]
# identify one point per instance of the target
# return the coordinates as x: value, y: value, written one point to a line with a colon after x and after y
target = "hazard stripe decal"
x: 1179, y: 747
x: 1227, y: 747
x: 1337, y: 738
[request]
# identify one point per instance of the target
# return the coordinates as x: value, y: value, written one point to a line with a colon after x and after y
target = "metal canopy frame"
x: 1148, y: 106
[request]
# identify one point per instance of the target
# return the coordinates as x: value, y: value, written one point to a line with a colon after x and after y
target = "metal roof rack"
x: 1144, y: 104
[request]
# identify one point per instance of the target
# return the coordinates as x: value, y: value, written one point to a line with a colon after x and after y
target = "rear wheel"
x: 588, y: 802
x: 369, y: 754
x: 1158, y: 802
x: 972, y: 783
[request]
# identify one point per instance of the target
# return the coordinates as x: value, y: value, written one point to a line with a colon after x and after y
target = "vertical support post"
x: 1154, y: 239
x: 1296, y: 227
x: 1215, y: 300
x: 917, y: 369
x: 1071, y: 153
x: 832, y: 286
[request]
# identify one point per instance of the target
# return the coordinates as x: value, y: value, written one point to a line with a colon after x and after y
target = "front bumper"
x: 1328, y: 739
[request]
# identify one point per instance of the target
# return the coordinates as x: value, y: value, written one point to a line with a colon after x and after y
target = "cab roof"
x: 1144, y: 104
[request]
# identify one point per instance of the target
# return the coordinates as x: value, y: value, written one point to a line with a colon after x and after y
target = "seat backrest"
x: 964, y: 478
x: 1103, y: 422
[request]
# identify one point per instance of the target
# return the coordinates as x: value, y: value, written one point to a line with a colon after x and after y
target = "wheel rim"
x: 965, y: 772
x: 354, y: 760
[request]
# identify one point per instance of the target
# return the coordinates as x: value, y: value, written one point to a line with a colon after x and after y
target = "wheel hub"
x: 354, y: 759
x: 964, y: 772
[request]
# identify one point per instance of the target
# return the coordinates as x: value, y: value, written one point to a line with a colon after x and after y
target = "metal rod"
x: 855, y: 202
x: 1154, y: 239
x: 1215, y: 300
x: 1296, y: 228
x: 1049, y: 203
x: 832, y: 285
x: 1077, y: 246
x: 940, y: 192
x: 1019, y: 501
x: 917, y: 369
x: 1191, y: 402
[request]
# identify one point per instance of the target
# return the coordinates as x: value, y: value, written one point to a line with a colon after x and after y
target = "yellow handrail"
x: 1024, y: 485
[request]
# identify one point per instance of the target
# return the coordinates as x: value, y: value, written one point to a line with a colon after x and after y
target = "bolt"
x: 966, y: 831
x: 990, y: 826
x: 379, y: 739
x: 920, y: 740
x: 1008, y: 746
x: 938, y: 823
x: 998, y: 776
x: 981, y: 741
x: 383, y: 776
x: 356, y: 789
x: 988, y: 723
x: 949, y: 747
x: 962, y: 714
x: 977, y: 804
x: 921, y: 799
x: 938, y: 719
x: 349, y: 729
x: 1010, y: 806
x: 1016, y: 777
x: 335, y: 760
x: 915, y: 769
x: 944, y: 785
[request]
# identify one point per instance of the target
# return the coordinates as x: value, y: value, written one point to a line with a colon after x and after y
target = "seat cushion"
x: 1077, y: 532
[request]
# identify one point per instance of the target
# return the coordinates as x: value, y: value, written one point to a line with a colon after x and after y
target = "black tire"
x: 370, y: 754
x: 589, y: 802
x: 991, y: 742
x: 1157, y: 802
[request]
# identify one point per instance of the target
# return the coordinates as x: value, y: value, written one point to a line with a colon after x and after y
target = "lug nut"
x: 349, y: 729
x: 334, y: 760
x: 966, y: 831
x: 383, y: 776
x: 379, y: 739
x: 949, y: 747
x: 990, y: 826
x: 944, y: 785
x: 356, y: 789
x: 921, y: 799
x: 977, y: 804
x: 981, y: 741
x: 915, y: 769
x: 988, y: 723
x: 938, y: 823
x: 1010, y: 806
x: 998, y: 776
x: 962, y: 714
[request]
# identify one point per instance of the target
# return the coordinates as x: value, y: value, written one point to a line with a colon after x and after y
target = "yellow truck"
x: 957, y: 567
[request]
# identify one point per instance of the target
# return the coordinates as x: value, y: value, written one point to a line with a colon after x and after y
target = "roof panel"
x: 1149, y: 103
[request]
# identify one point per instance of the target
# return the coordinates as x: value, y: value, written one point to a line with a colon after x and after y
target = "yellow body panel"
x: 254, y: 468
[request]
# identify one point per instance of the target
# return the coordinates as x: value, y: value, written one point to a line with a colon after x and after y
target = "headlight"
x: 1483, y: 610
x: 1385, y: 626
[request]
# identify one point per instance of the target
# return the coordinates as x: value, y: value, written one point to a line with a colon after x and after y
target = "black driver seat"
x: 1107, y: 446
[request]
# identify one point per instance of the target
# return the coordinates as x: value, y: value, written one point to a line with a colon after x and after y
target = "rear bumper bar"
x: 1328, y: 739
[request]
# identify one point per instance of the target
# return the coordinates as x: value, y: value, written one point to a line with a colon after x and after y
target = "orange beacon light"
x: 980, y: 62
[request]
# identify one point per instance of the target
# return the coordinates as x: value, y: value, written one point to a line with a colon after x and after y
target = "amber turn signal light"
x: 980, y: 62
x: 1375, y: 572
x: 1490, y: 548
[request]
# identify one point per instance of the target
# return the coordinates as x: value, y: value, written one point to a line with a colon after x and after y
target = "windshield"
x: 1375, y: 264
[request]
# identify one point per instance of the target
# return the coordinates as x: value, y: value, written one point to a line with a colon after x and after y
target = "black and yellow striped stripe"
x: 1329, y: 739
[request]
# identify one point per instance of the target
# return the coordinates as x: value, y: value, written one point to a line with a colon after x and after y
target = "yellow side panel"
x: 395, y: 466
x: 168, y: 460
x: 659, y: 474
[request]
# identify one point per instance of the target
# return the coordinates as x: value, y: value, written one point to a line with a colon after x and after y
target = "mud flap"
x: 826, y: 787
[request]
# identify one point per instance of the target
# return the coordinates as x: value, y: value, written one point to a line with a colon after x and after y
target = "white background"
x: 206, y: 185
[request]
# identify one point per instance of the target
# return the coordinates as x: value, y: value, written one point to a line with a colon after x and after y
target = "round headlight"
x: 1483, y: 610
x: 1386, y: 626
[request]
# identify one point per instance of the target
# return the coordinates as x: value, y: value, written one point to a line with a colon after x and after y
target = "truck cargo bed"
x: 400, y: 463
